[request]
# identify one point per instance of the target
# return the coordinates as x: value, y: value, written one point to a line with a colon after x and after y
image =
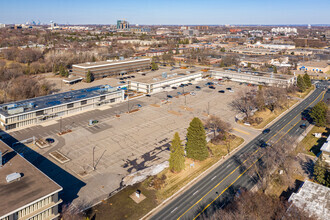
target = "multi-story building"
x: 257, y: 78
x: 2, y: 25
x: 284, y: 30
x: 25, y: 192
x: 326, y: 151
x: 45, y: 108
x: 314, y: 66
x: 122, y: 25
x: 111, y: 68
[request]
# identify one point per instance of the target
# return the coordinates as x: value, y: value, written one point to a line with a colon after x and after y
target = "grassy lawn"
x: 303, y: 94
x: 121, y: 206
x: 311, y: 145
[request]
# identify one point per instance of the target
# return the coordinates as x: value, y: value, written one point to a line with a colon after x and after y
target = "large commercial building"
x: 154, y: 84
x: 41, y: 109
x: 111, y: 68
x: 257, y: 78
x: 25, y: 192
x: 314, y: 66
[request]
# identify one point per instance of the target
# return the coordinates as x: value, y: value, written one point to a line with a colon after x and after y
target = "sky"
x: 171, y: 12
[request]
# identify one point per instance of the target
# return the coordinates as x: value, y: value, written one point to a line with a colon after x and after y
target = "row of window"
x: 36, y: 206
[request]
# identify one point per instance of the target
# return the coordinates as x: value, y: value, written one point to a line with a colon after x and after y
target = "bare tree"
x: 215, y: 124
x: 244, y: 103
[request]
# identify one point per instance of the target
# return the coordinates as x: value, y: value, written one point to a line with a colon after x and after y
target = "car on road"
x: 303, y: 126
x: 221, y: 91
x: 169, y: 96
x: 198, y: 87
x: 211, y: 87
x: 264, y: 144
x: 49, y: 140
x: 174, y: 87
x: 266, y: 131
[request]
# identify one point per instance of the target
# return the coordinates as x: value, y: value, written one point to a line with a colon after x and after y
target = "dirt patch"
x: 174, y: 113
x: 134, y: 110
x: 187, y: 108
x: 155, y: 105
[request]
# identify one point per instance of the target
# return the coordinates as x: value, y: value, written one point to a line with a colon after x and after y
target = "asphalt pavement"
x: 220, y: 186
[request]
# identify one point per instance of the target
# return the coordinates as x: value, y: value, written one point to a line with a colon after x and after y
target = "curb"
x: 190, y: 184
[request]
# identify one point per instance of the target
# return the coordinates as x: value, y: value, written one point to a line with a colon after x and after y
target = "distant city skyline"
x: 167, y: 12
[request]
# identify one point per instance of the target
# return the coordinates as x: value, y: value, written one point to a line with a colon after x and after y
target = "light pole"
x: 93, y: 158
x: 60, y: 125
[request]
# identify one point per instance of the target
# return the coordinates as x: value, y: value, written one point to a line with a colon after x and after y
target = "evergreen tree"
x: 89, y: 77
x: 301, y: 84
x: 319, y: 113
x: 274, y: 69
x: 177, y: 154
x: 307, y: 80
x: 196, y: 141
x: 320, y: 171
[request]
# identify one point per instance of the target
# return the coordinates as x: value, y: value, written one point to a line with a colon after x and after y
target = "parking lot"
x: 124, y: 143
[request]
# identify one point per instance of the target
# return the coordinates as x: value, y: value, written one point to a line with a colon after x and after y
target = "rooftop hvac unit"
x: 13, y: 177
x: 15, y: 110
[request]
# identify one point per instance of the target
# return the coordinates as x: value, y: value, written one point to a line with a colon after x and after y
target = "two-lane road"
x: 220, y: 185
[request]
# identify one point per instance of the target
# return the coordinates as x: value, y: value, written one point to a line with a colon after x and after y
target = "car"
x: 303, y: 118
x: 148, y: 95
x: 181, y: 85
x: 185, y: 85
x: 266, y: 131
x: 179, y: 93
x: 132, y: 76
x: 192, y: 93
x: 174, y: 87
x: 169, y: 96
x: 264, y: 144
x: 303, y: 126
x: 189, y: 84
x: 124, y: 77
x: 138, y: 105
x: 198, y: 87
x: 221, y: 91
x: 121, y: 78
x: 211, y: 87
x: 228, y: 88
x: 122, y: 82
x: 128, y: 77
x: 209, y: 84
x: 49, y: 140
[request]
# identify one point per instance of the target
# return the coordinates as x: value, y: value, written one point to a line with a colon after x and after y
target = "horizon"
x: 147, y: 12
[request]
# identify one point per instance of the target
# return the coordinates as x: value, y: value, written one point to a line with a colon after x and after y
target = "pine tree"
x: 274, y: 69
x: 196, y: 141
x: 307, y: 80
x: 89, y: 77
x: 301, y: 84
x: 318, y: 114
x: 154, y: 66
x: 177, y: 154
x: 320, y: 172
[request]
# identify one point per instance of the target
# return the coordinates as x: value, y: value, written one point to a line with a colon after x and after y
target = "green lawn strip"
x: 311, y: 145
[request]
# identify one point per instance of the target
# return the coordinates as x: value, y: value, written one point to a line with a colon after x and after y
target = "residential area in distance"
x: 163, y: 121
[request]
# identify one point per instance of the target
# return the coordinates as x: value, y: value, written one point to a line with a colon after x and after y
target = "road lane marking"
x: 195, y: 192
x: 245, y: 161
x: 174, y: 209
x: 213, y: 177
x: 244, y: 132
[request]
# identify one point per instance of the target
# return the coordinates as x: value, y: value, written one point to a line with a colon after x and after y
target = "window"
x: 102, y: 98
x: 12, y: 126
x: 38, y: 113
x: 70, y: 105
x: 112, y: 100
x: 84, y: 102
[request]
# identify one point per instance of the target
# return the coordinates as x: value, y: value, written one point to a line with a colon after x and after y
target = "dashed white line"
x: 213, y: 177
x: 195, y: 192
x: 174, y: 209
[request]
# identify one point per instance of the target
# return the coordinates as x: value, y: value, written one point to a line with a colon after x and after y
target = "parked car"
x: 266, y: 131
x: 174, y: 87
x: 198, y: 87
x: 49, y: 140
x: 189, y: 84
x: 169, y: 96
x: 192, y: 93
x: 221, y: 91
x: 303, y: 126
x: 179, y: 93
x: 121, y: 78
x: 303, y: 118
x: 138, y: 105
x: 211, y: 87
x: 181, y: 85
x: 133, y: 76
x: 209, y: 83
x: 228, y: 88
x: 148, y: 95
x: 122, y: 82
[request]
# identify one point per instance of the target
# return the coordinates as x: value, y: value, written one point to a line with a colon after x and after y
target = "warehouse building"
x: 110, y: 67
x: 25, y: 192
x: 45, y: 108
x: 257, y: 78
x: 154, y: 82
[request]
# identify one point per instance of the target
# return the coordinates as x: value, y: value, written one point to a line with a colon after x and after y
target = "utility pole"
x: 127, y: 102
x: 185, y: 98
x: 93, y: 158
x: 60, y: 125
x: 208, y: 108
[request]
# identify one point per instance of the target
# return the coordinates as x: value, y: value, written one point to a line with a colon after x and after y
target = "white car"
x: 192, y: 93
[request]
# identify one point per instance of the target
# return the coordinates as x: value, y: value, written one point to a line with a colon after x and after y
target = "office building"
x: 122, y: 25
x: 257, y: 78
x: 41, y: 109
x: 110, y: 67
x: 2, y: 25
x: 326, y: 151
x: 25, y: 192
x: 284, y: 30
x: 314, y: 66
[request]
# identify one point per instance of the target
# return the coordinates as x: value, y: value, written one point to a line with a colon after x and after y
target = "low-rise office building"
x: 110, y: 68
x: 154, y: 83
x: 314, y: 66
x: 25, y: 192
x: 45, y: 108
x: 326, y: 151
x: 257, y: 78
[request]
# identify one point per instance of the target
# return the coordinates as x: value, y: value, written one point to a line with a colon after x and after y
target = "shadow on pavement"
x: 70, y: 184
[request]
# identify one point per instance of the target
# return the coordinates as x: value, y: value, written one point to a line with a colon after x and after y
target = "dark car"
x: 128, y: 77
x: 189, y: 84
x: 303, y: 126
x: 122, y: 82
x: 303, y: 118
x: 148, y: 95
x: 228, y: 88
x: 169, y: 96
x: 181, y: 85
x: 198, y: 87
x: 209, y: 83
x: 264, y: 144
x: 174, y: 87
x: 121, y: 78
x: 49, y: 140
x: 132, y: 76
x: 221, y: 91
x: 211, y: 87
x: 266, y: 131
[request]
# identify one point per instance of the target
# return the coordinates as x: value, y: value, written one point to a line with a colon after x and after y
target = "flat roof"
x: 43, y: 102
x: 156, y: 76
x: 90, y: 65
x: 326, y: 146
x: 256, y: 74
x: 32, y: 186
x: 314, y: 199
x: 316, y: 64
